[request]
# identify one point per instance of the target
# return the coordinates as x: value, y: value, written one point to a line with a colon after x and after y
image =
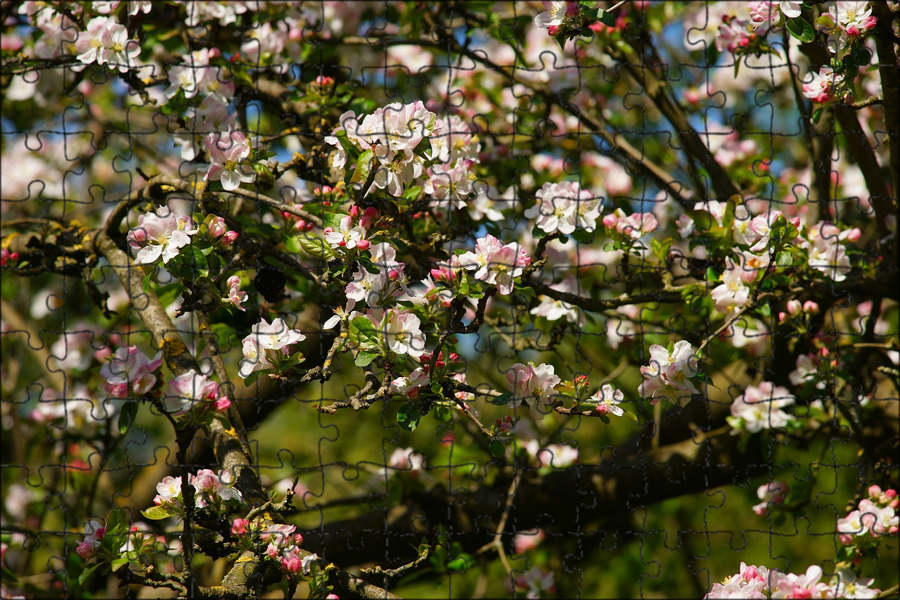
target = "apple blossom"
x: 263, y: 342
x: 760, y: 407
x: 495, y: 263
x: 401, y: 333
x: 186, y: 390
x: 770, y: 493
x: 669, y: 371
x: 130, y: 370
x: 227, y: 153
x: 160, y: 234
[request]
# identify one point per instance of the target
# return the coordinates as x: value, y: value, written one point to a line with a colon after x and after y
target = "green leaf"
x: 346, y: 144
x: 817, y: 114
x: 784, y: 259
x: 363, y: 167
x: 528, y: 291
x: 460, y: 564
x: 764, y: 310
x: 145, y: 283
x: 497, y: 448
x: 585, y: 237
x: 87, y: 572
x: 442, y: 413
x: 800, y: 29
x: 408, y: 417
x: 412, y: 193
x: 126, y: 416
x: 314, y: 245
x: 606, y: 18
x: 157, y: 513
x: 116, y: 521
x: 118, y: 563
x: 365, y: 358
x: 423, y: 149
x: 502, y: 399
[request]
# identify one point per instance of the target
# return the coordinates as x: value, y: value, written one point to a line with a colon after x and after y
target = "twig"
x: 402, y: 570
x: 497, y: 542
x: 279, y: 204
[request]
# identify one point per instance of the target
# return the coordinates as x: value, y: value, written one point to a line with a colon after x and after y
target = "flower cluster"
x: 630, y: 227
x: 228, y: 153
x: 211, y: 489
x: 266, y: 344
x: 530, y: 383
x: 130, y: 371
x: 669, y: 371
x: 106, y: 43
x: 160, y: 234
x: 496, y: 263
x: 564, y: 206
x: 762, y: 582
x: 845, y: 22
x: 409, y: 143
x: 191, y: 389
x: 760, y: 407
x: 873, y: 517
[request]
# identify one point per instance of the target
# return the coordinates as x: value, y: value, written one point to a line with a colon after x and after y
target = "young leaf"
x: 126, y: 417
x: 800, y: 29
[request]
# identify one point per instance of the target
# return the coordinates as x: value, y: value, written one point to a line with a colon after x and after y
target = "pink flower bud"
x: 782, y: 317
x: 327, y: 189
x: 217, y: 228
x: 853, y: 235
x: 103, y: 353
x: 292, y: 565
x: 85, y: 550
x: 794, y: 307
x: 891, y: 493
x: 139, y: 235
x: 744, y: 42
x: 394, y: 275
x: 229, y: 237
x: 610, y: 221
x: 796, y: 223
x: 874, y: 492
x: 342, y: 243
x: 298, y: 539
x: 328, y: 230
x: 300, y: 225
x: 553, y: 30
x: 222, y: 404
x: 354, y: 211
x: 363, y: 244
x: 852, y: 31
x: 239, y: 526
x: 602, y: 409
x: 309, y: 226
x: 324, y: 80
x: 332, y: 597
x: 810, y: 307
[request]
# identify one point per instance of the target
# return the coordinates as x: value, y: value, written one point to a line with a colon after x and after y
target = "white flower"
x: 759, y: 407
x: 555, y: 14
x: 732, y: 293
x: 264, y: 340
x: 495, y: 263
x: 162, y: 234
x: 186, y: 390
x: 401, y: 333
x: 668, y: 371
x: 608, y: 400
